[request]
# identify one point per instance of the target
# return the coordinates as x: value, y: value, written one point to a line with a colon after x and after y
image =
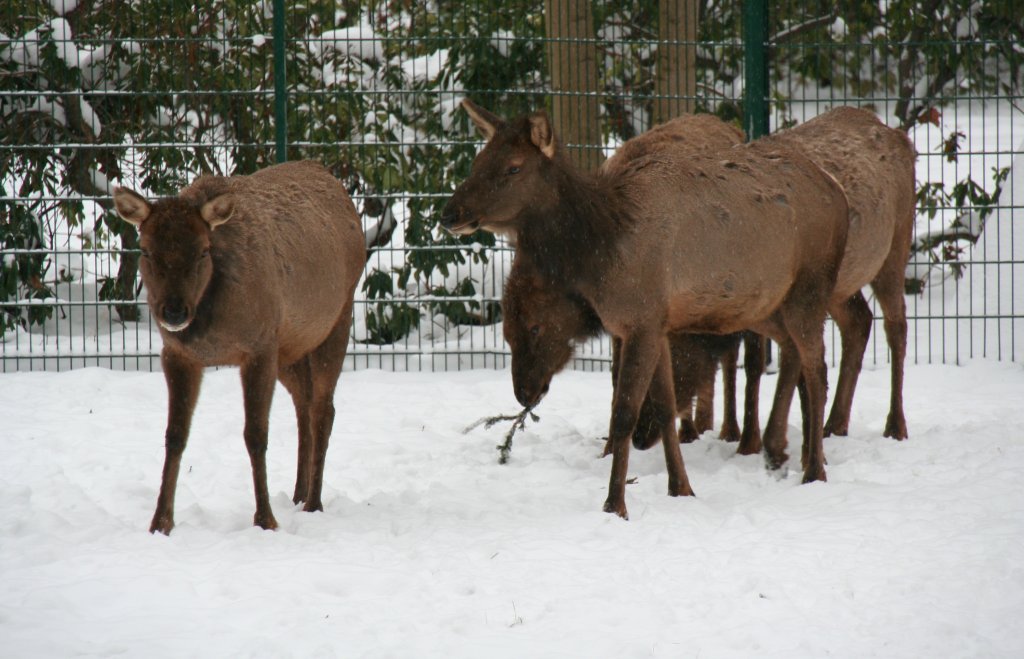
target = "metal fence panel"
x: 150, y: 93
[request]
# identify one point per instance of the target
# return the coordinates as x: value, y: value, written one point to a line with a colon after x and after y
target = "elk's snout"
x: 530, y: 394
x: 458, y: 220
x: 174, y: 316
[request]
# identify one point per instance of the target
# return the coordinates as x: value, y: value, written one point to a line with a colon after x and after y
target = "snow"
x: 62, y: 7
x: 428, y: 548
x: 358, y: 41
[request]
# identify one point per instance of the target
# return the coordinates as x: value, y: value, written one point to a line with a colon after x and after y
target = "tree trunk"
x: 572, y: 57
x: 676, y: 82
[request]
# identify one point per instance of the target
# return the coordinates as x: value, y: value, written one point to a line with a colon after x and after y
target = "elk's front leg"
x: 183, y: 377
x: 258, y: 378
x: 637, y: 360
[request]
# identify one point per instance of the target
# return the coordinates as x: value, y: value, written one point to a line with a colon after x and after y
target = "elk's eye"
x: 145, y: 253
x: 206, y: 253
x: 535, y: 330
x: 514, y: 169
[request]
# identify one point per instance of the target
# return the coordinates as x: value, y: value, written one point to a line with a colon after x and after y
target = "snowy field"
x: 428, y: 548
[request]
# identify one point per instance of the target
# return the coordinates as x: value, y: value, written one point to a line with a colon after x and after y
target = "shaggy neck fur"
x: 576, y: 235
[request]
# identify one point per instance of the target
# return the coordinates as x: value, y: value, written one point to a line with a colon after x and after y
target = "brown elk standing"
x: 259, y: 272
x: 751, y: 239
x: 875, y: 166
x: 562, y: 319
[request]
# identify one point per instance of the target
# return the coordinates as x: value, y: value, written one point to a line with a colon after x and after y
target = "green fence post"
x: 755, y: 44
x: 280, y: 85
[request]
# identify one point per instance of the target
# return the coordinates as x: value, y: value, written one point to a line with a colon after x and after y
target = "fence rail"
x: 150, y: 94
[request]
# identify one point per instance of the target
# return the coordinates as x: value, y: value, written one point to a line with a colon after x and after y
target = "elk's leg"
x: 296, y: 379
x: 637, y: 361
x: 616, y: 358
x: 685, y: 378
x: 889, y: 288
x: 730, y: 425
x: 753, y: 369
x: 325, y: 365
x: 805, y: 325
x: 775, y: 430
x: 183, y: 377
x: 663, y: 397
x: 259, y: 375
x: 813, y: 386
x: 853, y: 317
x: 704, y: 410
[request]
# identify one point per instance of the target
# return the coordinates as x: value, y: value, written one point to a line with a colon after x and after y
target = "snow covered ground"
x: 428, y: 548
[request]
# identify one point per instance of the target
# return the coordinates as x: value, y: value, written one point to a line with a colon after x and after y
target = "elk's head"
x: 512, y: 174
x: 174, y: 237
x: 541, y: 325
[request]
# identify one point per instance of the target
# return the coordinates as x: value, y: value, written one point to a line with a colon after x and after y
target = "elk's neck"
x: 574, y: 238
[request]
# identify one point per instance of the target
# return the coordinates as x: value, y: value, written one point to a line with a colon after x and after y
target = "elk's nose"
x: 529, y: 395
x: 175, y: 313
x: 453, y: 216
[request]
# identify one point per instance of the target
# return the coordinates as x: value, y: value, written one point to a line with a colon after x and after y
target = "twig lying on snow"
x: 518, y: 422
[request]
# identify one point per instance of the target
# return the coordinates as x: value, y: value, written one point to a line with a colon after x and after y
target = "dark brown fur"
x: 749, y: 239
x: 259, y: 272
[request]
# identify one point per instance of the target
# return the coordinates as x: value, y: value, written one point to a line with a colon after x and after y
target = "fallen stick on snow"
x: 518, y: 422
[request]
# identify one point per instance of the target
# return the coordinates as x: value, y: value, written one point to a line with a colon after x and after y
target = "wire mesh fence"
x: 149, y: 94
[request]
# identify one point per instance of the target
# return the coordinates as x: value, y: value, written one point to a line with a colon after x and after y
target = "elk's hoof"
x: 775, y: 461
x: 729, y: 433
x: 313, y: 507
x: 265, y: 522
x: 683, y: 490
x: 896, y: 428
x: 750, y: 444
x: 688, y: 432
x: 815, y: 473
x: 838, y: 429
x: 162, y: 524
x: 617, y: 507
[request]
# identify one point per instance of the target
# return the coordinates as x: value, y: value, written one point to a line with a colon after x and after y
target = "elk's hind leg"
x: 297, y: 380
x: 853, y: 317
x: 663, y: 396
x: 778, y: 418
x: 889, y: 289
x: 730, y: 425
x: 325, y: 364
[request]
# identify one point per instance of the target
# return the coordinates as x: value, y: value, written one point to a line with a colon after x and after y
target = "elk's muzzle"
x: 174, y: 316
x: 530, y: 394
x: 458, y: 219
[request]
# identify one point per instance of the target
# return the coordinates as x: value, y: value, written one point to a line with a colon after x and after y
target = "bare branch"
x: 518, y: 423
x: 791, y: 33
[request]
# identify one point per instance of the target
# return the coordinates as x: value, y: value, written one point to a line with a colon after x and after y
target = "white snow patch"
x: 428, y: 547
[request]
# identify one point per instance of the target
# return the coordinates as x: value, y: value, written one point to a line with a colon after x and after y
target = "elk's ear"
x: 487, y: 123
x: 131, y: 206
x: 541, y: 134
x: 218, y: 210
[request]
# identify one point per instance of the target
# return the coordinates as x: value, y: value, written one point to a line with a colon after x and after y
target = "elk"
x: 258, y: 272
x: 695, y: 357
x: 750, y: 238
x: 875, y: 166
